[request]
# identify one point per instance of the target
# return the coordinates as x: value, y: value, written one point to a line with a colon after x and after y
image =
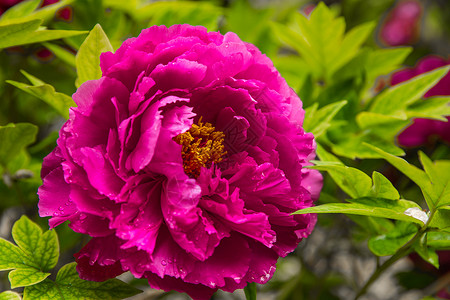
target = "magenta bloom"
x: 421, y: 130
x: 183, y: 163
x: 401, y: 26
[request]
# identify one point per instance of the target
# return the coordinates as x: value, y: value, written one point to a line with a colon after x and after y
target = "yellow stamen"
x: 202, y: 146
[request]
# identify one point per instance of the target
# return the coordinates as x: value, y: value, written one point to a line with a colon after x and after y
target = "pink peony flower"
x: 421, y: 130
x: 401, y: 26
x: 183, y: 163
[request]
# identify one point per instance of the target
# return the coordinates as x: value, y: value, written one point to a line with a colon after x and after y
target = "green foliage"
x: 9, y: 295
x: 395, y: 100
x: 329, y: 58
x: 30, y: 32
x: 29, y: 10
x: 15, y: 138
x: 318, y: 121
x: 36, y: 253
x: 68, y: 285
x: 321, y: 42
x: 88, y: 56
x: 46, y: 92
x: 389, y: 243
x: 22, y: 9
x: 373, y: 207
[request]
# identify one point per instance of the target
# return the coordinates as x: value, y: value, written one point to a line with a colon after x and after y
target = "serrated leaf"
x: 321, y: 42
x: 389, y: 243
x: 88, y: 57
x: 415, y: 174
x: 72, y: 287
x: 28, y: 32
x: 14, y: 138
x: 9, y: 295
x: 21, y: 9
x: 383, y: 188
x: 59, y: 101
x: 318, y: 121
x: 400, y: 96
x: 35, y: 254
x: 374, y: 207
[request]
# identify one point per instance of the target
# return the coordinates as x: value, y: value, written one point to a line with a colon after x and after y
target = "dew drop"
x: 83, y: 216
x: 55, y: 214
x: 163, y: 262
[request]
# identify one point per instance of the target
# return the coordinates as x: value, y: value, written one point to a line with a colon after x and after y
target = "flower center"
x: 202, y: 146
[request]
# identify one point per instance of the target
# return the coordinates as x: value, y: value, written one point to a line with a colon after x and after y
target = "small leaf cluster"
x: 33, y: 258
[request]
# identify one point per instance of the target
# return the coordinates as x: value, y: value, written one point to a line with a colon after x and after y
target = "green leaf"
x: 68, y: 285
x: 9, y: 295
x: 395, y: 99
x: 321, y: 42
x: 431, y: 108
x: 59, y: 101
x: 383, y: 61
x: 353, y: 145
x: 21, y: 9
x: 389, y: 243
x: 438, y: 240
x: 14, y: 138
x: 441, y: 219
x: 352, y: 181
x: 383, y: 188
x: 318, y: 121
x: 374, y: 207
x: 427, y: 254
x: 415, y: 174
x: 440, y: 179
x: 88, y: 56
x: 26, y: 277
x: 28, y: 32
x: 43, y: 290
x: 351, y: 44
x: 250, y: 291
x: 45, y: 13
x: 35, y: 254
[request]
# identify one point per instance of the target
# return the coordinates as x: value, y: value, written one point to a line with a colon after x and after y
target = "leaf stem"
x: 402, y: 252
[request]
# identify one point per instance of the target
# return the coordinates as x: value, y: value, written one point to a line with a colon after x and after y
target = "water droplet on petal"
x: 163, y: 262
